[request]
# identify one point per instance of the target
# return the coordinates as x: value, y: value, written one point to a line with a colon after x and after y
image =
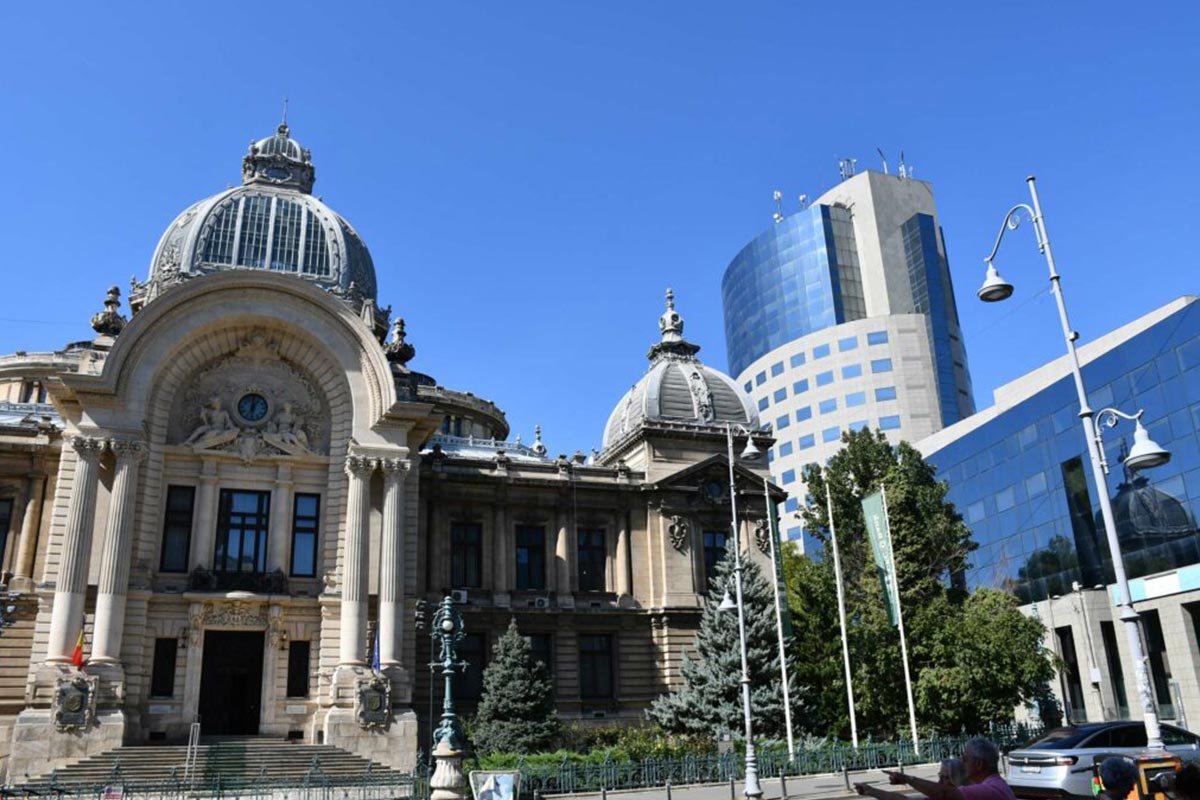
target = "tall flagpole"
x: 841, y: 601
x: 783, y: 670
x: 912, y: 711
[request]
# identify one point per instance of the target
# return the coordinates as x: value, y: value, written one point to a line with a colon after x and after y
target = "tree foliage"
x: 973, y: 657
x: 516, y: 713
x: 709, y: 701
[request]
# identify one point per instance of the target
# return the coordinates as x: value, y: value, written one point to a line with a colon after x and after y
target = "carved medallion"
x: 678, y: 530
x: 762, y: 536
x: 74, y: 702
x: 373, y: 702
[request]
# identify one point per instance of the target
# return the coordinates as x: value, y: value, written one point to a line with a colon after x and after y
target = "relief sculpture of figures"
x: 214, y: 424
x: 286, y: 432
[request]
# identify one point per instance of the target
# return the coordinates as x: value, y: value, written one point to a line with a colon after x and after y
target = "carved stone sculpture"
x: 373, y: 702
x: 74, y: 702
x: 762, y: 536
x: 678, y: 530
x: 214, y: 424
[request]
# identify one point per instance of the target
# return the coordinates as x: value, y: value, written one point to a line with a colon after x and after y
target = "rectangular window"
x: 889, y: 423
x: 885, y: 393
x: 830, y: 434
x: 852, y: 371
x: 800, y: 387
x: 782, y: 422
x: 760, y: 378
x: 542, y: 645
x: 763, y: 403
x: 828, y: 406
x: 531, y: 557
x: 242, y: 525
x: 785, y: 449
x: 777, y: 369
x: 472, y: 649
x: 791, y: 504
x: 592, y: 555
x: 807, y: 441
x: 780, y: 395
x: 162, y: 674
x: 748, y: 386
x: 177, y: 529
x: 306, y: 514
x: 821, y: 351
x: 298, y: 668
x: 466, y: 555
x: 857, y: 425
x: 789, y: 476
x: 877, y: 337
x: 715, y: 548
x: 1083, y: 523
x: 1076, y: 710
x: 804, y: 414
x: 797, y: 360
x: 881, y: 365
x: 849, y: 343
x: 856, y: 399
x: 595, y: 667
x: 1116, y: 675
x: 825, y: 378
x: 6, y: 507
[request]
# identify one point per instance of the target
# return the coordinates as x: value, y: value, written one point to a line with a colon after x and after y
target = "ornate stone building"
x: 240, y: 494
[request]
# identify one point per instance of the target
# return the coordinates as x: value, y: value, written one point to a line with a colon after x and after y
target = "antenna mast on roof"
x: 905, y: 170
x: 846, y: 167
x: 778, y: 215
x: 803, y: 201
x: 884, y: 159
x: 285, y: 111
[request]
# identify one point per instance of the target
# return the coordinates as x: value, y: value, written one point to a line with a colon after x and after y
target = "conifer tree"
x: 710, y: 700
x: 516, y: 713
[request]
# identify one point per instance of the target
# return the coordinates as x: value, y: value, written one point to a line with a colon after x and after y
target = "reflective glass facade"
x: 1023, y: 482
x: 783, y: 285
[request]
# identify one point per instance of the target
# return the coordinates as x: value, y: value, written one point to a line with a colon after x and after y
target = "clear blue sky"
x: 530, y: 176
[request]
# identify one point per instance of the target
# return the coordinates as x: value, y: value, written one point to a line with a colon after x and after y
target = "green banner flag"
x: 881, y: 546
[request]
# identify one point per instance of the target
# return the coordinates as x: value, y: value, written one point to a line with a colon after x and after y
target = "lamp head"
x: 994, y: 288
x: 1145, y: 453
x: 727, y: 603
x: 751, y: 452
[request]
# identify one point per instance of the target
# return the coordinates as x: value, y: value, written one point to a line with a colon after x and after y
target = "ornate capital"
x: 89, y: 448
x: 360, y: 467
x: 395, y: 469
x: 133, y: 450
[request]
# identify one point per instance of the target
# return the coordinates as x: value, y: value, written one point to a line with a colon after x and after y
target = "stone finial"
x: 538, y: 446
x: 670, y: 324
x: 109, y: 322
x: 398, y: 350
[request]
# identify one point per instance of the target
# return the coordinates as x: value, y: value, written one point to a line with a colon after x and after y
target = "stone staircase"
x: 231, y: 761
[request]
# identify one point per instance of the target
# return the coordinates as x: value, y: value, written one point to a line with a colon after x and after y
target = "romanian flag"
x: 77, y: 655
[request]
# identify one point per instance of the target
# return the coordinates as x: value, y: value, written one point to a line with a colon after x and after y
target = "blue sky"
x: 529, y: 177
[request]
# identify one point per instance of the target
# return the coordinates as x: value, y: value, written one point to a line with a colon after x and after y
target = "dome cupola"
x: 279, y: 160
x: 677, y: 389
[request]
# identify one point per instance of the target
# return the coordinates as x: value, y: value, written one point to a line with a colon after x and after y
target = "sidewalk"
x: 806, y: 787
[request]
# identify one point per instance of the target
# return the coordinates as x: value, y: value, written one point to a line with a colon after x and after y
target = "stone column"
x: 624, y: 578
x: 501, y: 556
x: 278, y: 546
x: 562, y: 555
x: 70, y: 587
x: 391, y: 563
x: 115, y: 557
x: 205, y: 528
x: 355, y: 550
x: 31, y: 523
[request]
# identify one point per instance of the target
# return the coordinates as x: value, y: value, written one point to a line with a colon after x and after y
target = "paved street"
x: 810, y: 787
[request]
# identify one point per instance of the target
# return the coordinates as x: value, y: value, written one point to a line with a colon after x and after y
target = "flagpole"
x: 912, y: 711
x: 841, y: 601
x: 783, y: 670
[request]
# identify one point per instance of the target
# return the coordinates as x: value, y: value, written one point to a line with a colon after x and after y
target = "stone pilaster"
x: 114, y: 562
x: 562, y: 557
x: 623, y: 566
x: 31, y: 523
x: 205, y: 527
x: 278, y: 545
x: 502, y: 555
x: 70, y: 588
x: 355, y: 546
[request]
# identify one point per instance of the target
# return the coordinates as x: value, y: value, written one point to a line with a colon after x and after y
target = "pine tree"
x: 516, y: 713
x: 710, y: 700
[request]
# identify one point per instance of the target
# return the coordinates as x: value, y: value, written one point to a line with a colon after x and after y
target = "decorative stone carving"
x: 109, y: 322
x: 88, y: 448
x: 762, y: 536
x: 196, y: 624
x: 234, y: 614
x: 678, y: 531
x: 360, y: 466
x: 701, y: 396
x: 128, y: 449
x: 74, y: 705
x: 276, y: 630
x: 398, y: 350
x: 215, y: 426
x: 373, y: 702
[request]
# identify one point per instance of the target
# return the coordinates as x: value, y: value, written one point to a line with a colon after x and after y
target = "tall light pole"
x: 783, y: 670
x: 996, y: 288
x: 751, y: 453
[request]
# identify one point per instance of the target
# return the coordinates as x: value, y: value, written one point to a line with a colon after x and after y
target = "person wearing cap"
x: 1118, y: 774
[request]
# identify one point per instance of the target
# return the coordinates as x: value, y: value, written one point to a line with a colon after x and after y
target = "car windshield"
x: 1061, y: 739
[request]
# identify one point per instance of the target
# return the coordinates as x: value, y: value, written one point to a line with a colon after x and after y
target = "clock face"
x: 252, y: 407
x: 278, y: 173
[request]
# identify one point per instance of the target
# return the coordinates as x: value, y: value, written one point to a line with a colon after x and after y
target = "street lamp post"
x: 447, y: 782
x: 994, y: 289
x: 750, y: 453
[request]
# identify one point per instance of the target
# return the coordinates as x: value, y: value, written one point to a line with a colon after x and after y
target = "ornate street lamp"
x: 1145, y: 453
x: 448, y: 782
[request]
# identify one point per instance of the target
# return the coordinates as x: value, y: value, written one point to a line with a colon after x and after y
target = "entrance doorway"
x: 231, y: 683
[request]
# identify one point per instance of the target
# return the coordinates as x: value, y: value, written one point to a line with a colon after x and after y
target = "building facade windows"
x: 803, y: 414
x: 764, y: 403
x: 831, y: 434
x: 776, y: 369
x: 472, y: 649
x: 531, y: 557
x: 800, y: 386
x: 828, y: 406
x: 797, y: 360
x: 541, y: 646
x: 825, y: 378
x: 591, y: 558
x: 889, y: 423
x: 760, y: 379
x: 466, y: 555
x: 162, y: 671
x: 785, y: 449
x: 177, y: 529
x: 306, y: 517
x: 782, y: 422
x: 780, y: 395
x: 851, y: 371
x: 242, y: 524
x: 789, y: 476
x: 596, y: 667
x: 877, y: 337
x: 806, y: 441
x: 881, y: 365
x: 856, y: 399
x: 883, y: 393
x: 298, y: 667
x: 847, y: 344
x: 716, y: 545
x: 6, y: 509
x: 821, y: 351
x: 857, y: 425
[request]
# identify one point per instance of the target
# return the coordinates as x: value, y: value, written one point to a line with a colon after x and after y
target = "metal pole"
x: 912, y: 709
x: 1129, y: 617
x: 783, y: 670
x: 752, y: 787
x: 841, y: 601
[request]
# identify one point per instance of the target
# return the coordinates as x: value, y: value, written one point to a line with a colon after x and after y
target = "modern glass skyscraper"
x: 842, y: 316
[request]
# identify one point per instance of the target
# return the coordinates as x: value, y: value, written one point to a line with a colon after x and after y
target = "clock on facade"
x: 252, y: 407
x: 278, y: 173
